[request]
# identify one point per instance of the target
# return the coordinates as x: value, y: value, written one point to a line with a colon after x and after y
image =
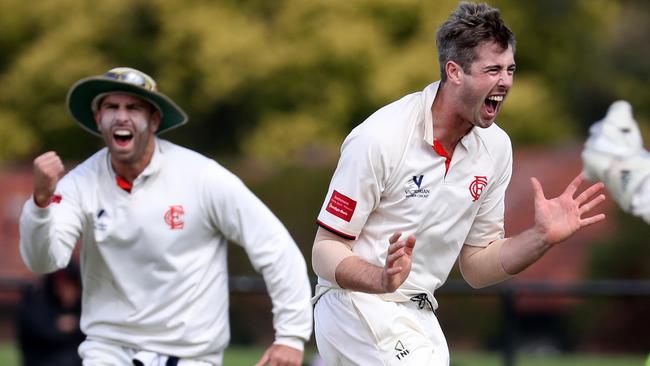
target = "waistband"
x: 421, y: 297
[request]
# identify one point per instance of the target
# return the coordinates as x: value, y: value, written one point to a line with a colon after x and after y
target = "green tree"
x: 287, y: 79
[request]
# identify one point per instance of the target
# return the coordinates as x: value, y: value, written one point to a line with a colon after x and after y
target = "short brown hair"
x: 468, y: 26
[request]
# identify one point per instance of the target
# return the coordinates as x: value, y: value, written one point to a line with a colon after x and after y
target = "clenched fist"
x: 48, y: 169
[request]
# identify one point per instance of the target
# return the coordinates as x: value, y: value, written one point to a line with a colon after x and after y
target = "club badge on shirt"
x: 476, y: 186
x: 174, y: 217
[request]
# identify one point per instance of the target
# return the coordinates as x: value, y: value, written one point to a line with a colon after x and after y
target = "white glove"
x: 614, y: 154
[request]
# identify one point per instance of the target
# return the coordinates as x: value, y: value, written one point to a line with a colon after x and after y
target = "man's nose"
x: 122, y: 114
x: 506, y: 79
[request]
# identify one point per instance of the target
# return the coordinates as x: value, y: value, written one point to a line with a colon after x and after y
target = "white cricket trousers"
x: 355, y: 328
x: 101, y: 353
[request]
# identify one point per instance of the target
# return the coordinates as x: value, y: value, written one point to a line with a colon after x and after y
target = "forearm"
x: 501, y: 259
x: 519, y: 252
x: 354, y: 273
x: 334, y: 260
x: 482, y: 266
x: 556, y: 220
x: 287, y: 282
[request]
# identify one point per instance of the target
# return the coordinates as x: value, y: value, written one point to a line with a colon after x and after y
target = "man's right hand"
x: 398, y: 262
x: 48, y: 169
x: 356, y: 274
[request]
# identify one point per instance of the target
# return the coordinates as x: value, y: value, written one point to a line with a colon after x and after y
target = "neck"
x: 448, y: 125
x: 130, y: 170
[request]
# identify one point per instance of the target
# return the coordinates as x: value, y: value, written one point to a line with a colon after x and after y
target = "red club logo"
x: 174, y: 217
x: 476, y: 187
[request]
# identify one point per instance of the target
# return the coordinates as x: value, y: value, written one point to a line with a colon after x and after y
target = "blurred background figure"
x: 48, y: 320
x: 614, y: 155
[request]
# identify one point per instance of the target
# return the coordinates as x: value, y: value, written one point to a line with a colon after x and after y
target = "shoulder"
x: 89, y: 168
x: 495, y: 140
x: 182, y: 156
x: 390, y: 126
x: 186, y: 162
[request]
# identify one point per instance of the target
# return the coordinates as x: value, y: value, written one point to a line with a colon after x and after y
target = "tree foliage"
x: 280, y: 79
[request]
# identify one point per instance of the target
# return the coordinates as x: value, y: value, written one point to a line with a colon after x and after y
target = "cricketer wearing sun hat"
x: 154, y: 224
x: 84, y: 97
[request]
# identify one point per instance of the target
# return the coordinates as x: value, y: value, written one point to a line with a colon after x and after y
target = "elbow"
x: 478, y: 285
x: 314, y: 260
x: 467, y: 274
x: 326, y: 255
x: 39, y: 268
x: 475, y: 283
x: 479, y: 279
x: 40, y: 264
x: 321, y: 263
x: 474, y: 276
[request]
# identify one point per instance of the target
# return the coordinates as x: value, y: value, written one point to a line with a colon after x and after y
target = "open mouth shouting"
x: 122, y: 137
x: 492, y: 104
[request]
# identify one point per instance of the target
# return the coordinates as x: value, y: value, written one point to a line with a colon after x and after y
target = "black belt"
x: 422, y: 300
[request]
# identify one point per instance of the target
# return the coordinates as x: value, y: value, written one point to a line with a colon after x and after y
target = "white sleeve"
x: 246, y: 221
x: 48, y: 235
x: 356, y: 185
x: 489, y: 221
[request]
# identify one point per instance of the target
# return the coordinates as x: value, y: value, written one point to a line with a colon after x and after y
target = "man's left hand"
x: 280, y: 355
x: 558, y: 218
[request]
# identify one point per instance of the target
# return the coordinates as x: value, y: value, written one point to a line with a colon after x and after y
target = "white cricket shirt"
x: 389, y: 178
x: 153, y: 261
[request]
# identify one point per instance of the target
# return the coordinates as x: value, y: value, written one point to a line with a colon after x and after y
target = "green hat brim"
x: 82, y: 94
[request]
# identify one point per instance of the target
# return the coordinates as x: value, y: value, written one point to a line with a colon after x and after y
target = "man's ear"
x: 154, y: 121
x: 454, y: 72
x: 98, y: 121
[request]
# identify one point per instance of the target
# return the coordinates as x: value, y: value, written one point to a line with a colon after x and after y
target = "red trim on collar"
x: 122, y: 183
x: 437, y: 147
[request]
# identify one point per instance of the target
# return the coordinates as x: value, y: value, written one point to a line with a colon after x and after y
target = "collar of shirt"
x: 428, y: 96
x: 154, y: 166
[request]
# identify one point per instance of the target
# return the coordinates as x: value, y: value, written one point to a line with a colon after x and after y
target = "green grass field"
x: 243, y: 356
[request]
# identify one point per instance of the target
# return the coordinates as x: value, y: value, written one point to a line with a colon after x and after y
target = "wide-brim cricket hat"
x: 85, y: 95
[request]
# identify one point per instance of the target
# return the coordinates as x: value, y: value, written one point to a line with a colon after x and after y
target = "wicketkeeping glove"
x: 614, y: 154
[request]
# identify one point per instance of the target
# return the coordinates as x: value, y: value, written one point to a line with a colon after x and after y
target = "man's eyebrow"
x: 499, y: 67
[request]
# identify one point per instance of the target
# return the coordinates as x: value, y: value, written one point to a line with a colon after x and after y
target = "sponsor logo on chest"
x: 415, y: 188
x: 173, y: 217
x: 101, y: 220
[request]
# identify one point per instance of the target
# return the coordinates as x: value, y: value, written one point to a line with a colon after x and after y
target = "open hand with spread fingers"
x: 558, y: 218
x: 398, y: 262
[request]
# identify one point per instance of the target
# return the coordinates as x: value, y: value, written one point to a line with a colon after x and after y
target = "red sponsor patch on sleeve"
x: 341, y: 206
